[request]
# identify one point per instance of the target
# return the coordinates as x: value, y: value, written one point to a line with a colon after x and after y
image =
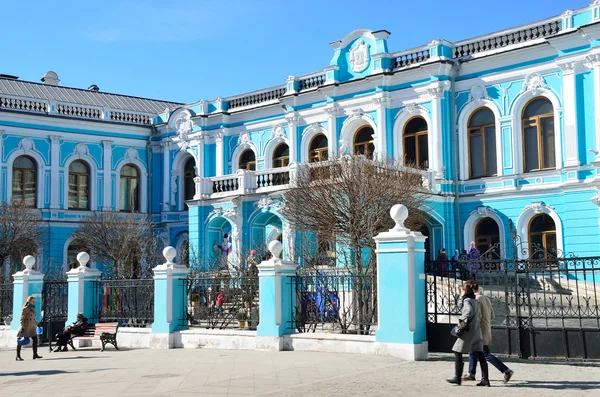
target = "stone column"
x: 332, y: 112
x: 569, y: 70
x: 170, y: 301
x: 436, y: 158
x: 107, y: 168
x: 54, y: 174
x: 594, y: 60
x: 401, y: 306
x: 292, y: 120
x: 276, y: 300
x: 381, y: 138
x: 27, y: 282
x: 220, y: 154
x: 82, y: 291
x: 166, y: 174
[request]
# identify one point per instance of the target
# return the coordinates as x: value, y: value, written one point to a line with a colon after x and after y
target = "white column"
x: 54, y: 175
x: 166, y: 147
x: 220, y: 154
x: 436, y: 159
x: 292, y: 120
x: 199, y: 142
x: 595, y: 61
x: 570, y: 114
x: 380, y: 139
x: 107, y: 186
x: 332, y: 112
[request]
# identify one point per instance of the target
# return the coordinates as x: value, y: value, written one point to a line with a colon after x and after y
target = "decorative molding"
x: 411, y: 109
x: 131, y: 153
x: 81, y: 149
x: 244, y: 139
x: 533, y: 82
x: 267, y: 204
x: 314, y: 127
x: 278, y: 132
x: 26, y: 144
x: 572, y: 67
x: 55, y: 138
x: 483, y: 212
x: 478, y: 93
x: 332, y: 109
x: 219, y: 136
x: 384, y: 102
x: 359, y: 56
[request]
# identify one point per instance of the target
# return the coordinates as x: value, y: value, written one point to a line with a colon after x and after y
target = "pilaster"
x: 220, y: 152
x: 594, y: 61
x: 107, y: 183
x: 166, y: 148
x: 292, y: 120
x: 382, y: 104
x: 569, y: 70
x: 54, y: 171
x: 332, y: 111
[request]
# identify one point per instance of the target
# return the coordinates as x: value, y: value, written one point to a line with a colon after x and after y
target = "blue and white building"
x: 505, y: 127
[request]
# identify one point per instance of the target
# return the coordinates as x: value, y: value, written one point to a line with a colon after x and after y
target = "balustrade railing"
x: 128, y: 117
x: 257, y: 98
x: 493, y: 42
x: 229, y: 183
x: 129, y: 302
x: 28, y: 105
x: 78, y: 111
x: 335, y: 301
x: 6, y: 302
x: 217, y: 302
x: 410, y: 57
x: 270, y: 178
x: 312, y: 81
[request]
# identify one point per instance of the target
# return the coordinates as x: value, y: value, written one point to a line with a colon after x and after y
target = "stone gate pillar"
x: 401, y: 297
x: 83, y: 296
x: 26, y: 282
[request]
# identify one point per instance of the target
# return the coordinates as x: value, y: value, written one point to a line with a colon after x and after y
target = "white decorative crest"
x: 411, y: 109
x: 478, y: 92
x: 81, y: 148
x: 183, y: 125
x: 131, y: 153
x: 533, y: 82
x: 266, y: 203
x: 483, y: 212
x: 538, y: 207
x: 359, y: 56
x: 244, y: 138
x: 26, y: 144
x: 278, y: 132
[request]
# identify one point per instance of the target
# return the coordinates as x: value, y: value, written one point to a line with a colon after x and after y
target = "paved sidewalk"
x: 179, y: 372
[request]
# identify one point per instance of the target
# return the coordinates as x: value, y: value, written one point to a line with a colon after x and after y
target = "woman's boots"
x: 458, y: 368
x: 18, y: 358
x: 35, y: 347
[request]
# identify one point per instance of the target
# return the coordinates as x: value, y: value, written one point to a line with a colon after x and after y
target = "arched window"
x: 538, y: 135
x: 247, y: 160
x: 79, y: 186
x: 189, y: 173
x: 482, y: 144
x: 363, y: 142
x: 281, y: 156
x: 487, y: 236
x: 542, y: 236
x: 130, y: 189
x: 317, y: 150
x: 416, y: 148
x: 75, y: 247
x: 24, y: 181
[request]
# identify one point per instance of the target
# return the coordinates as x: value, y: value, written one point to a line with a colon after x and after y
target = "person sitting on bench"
x: 75, y: 329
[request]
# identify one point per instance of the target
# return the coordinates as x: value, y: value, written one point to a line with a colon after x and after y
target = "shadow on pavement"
x: 43, y: 372
x: 516, y: 360
x: 575, y: 385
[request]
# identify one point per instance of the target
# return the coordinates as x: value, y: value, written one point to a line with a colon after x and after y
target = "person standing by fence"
x: 470, y: 340
x: 28, y: 327
x: 487, y: 315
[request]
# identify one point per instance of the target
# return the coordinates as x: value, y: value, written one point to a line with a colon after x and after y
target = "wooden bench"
x: 105, y: 332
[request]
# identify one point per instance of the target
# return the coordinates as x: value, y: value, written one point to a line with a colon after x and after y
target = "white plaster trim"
x: 237, y: 152
x: 349, y: 128
x: 402, y: 118
x: 473, y: 220
x: 517, y: 110
x: 178, y: 170
x: 307, y: 136
x: 143, y: 182
x: 40, y: 173
x: 270, y: 149
x: 523, y: 226
x: 93, y: 180
x: 463, y: 135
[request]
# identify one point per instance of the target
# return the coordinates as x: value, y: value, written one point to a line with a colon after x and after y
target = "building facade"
x: 504, y: 127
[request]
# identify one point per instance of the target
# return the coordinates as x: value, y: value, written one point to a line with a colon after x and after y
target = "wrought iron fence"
x: 215, y: 302
x: 55, y: 307
x: 337, y: 302
x: 6, y: 302
x: 129, y: 302
x: 543, y: 307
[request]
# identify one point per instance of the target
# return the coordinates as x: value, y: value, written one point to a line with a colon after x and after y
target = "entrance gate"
x: 545, y: 307
x: 55, y: 306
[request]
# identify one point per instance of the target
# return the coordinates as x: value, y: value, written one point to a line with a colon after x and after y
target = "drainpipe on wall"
x: 459, y: 242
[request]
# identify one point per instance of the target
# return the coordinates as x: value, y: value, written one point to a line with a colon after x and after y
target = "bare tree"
x: 127, y: 244
x: 21, y: 233
x: 343, y: 204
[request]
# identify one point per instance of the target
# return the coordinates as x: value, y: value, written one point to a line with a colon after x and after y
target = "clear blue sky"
x: 186, y: 50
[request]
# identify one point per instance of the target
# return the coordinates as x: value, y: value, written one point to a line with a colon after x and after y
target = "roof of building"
x: 28, y: 89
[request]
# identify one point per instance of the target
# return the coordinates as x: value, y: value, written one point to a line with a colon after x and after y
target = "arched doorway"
x: 487, y: 237
x: 218, y: 244
x: 265, y: 228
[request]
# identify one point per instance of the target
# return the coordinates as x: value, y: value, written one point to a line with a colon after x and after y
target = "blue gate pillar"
x: 401, y: 290
x: 81, y: 296
x: 276, y: 300
x: 170, y: 301
x: 27, y: 282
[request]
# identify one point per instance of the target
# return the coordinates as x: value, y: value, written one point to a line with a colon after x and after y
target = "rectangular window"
x: 530, y: 138
x: 73, y: 201
x: 549, y: 160
x: 423, y: 151
x: 490, y: 151
x: 475, y: 147
x: 17, y: 185
x: 410, y: 150
x: 30, y: 189
x: 124, y: 199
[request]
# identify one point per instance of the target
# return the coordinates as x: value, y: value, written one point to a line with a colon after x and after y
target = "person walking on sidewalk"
x: 487, y: 315
x: 28, y: 327
x: 470, y: 340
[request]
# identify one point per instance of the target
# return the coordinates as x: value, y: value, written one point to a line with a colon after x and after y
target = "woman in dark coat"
x: 76, y: 329
x: 28, y: 327
x: 471, y: 340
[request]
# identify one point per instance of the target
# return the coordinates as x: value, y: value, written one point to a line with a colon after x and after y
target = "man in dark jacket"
x: 75, y: 329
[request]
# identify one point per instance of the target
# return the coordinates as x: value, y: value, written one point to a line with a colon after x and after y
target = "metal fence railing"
x: 6, y: 302
x: 129, y: 302
x: 214, y: 302
x: 336, y: 302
